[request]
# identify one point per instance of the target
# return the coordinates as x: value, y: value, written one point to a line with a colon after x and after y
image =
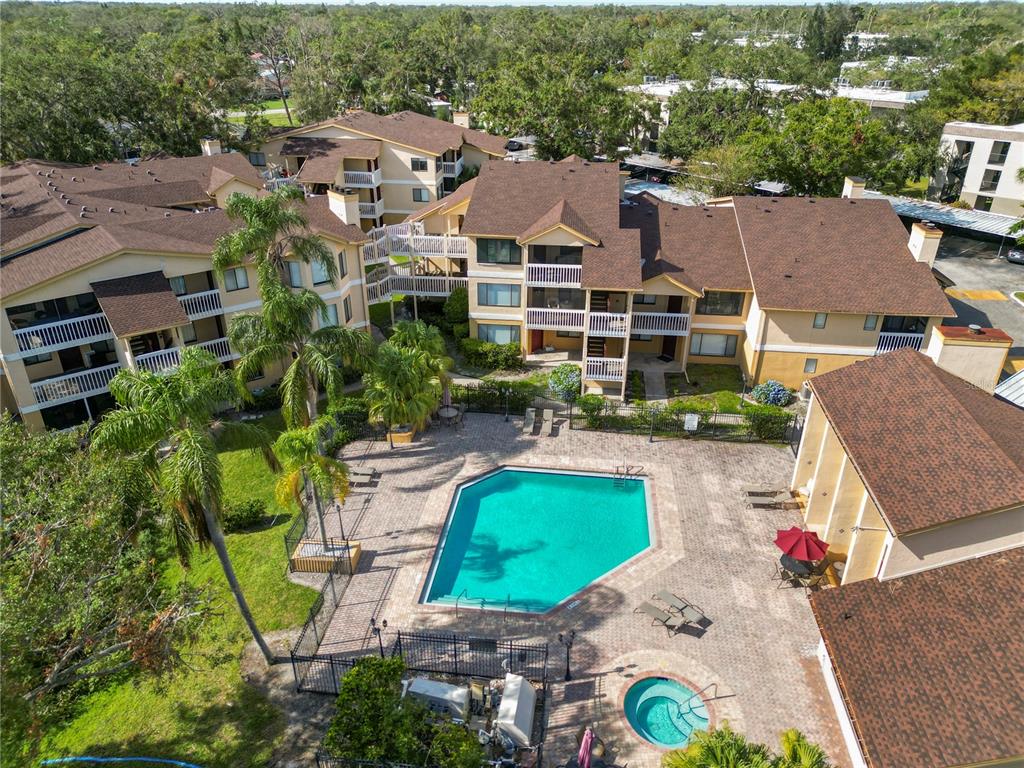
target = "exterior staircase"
x: 595, y: 344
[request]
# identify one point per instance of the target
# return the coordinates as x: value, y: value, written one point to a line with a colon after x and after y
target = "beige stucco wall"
x: 977, y: 362
x: 231, y: 188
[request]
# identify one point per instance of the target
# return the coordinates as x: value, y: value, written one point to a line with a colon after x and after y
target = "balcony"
x: 74, y: 386
x: 889, y: 341
x: 555, y: 319
x: 169, y: 359
x: 371, y: 210
x: 200, y: 305
x: 37, y: 339
x: 553, y: 275
x: 661, y: 323
x: 604, y: 369
x: 409, y: 240
x: 420, y: 285
x: 452, y: 169
x: 363, y: 179
x: 609, y: 324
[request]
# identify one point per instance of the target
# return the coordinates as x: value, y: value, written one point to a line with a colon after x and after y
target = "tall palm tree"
x: 298, y: 450
x: 417, y: 335
x: 798, y: 752
x: 274, y: 228
x: 402, y: 387
x: 283, y: 330
x: 167, y: 421
x: 720, y: 748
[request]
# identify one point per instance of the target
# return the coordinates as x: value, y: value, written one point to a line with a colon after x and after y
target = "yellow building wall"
x: 788, y: 367
x: 232, y: 187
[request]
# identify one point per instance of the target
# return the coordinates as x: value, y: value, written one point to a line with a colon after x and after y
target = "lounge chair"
x: 551, y: 425
x: 548, y: 421
x: 762, y: 490
x: 658, y: 616
x: 690, y: 613
x: 529, y: 421
x: 362, y: 475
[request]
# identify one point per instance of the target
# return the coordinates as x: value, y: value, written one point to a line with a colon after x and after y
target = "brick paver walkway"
x: 710, y: 549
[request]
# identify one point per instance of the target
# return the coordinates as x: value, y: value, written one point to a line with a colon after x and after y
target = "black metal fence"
x: 326, y: 760
x: 754, y: 423
x: 305, y: 550
x: 311, y: 674
x: 494, y: 397
x: 481, y: 657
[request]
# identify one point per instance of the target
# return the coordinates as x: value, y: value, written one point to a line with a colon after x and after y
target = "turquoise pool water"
x: 662, y: 711
x: 534, y: 538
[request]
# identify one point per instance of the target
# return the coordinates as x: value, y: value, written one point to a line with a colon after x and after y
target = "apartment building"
x: 107, y: 267
x: 397, y: 164
x: 984, y: 162
x: 556, y: 261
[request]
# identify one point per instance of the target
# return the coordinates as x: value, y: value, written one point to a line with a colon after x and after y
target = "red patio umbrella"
x: 801, y: 545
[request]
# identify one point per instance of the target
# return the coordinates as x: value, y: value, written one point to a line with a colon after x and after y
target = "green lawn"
x: 205, y: 713
x: 720, y: 384
x: 1019, y: 295
x: 275, y: 120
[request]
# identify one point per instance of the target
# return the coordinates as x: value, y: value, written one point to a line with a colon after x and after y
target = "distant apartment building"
x: 982, y: 168
x: 396, y: 164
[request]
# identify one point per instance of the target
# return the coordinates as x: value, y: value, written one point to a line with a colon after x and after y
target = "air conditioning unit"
x: 648, y: 79
x: 442, y: 698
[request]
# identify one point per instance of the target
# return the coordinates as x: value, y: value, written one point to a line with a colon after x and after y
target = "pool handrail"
x: 698, y: 694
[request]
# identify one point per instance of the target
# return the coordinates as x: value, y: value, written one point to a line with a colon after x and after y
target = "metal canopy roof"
x: 976, y: 221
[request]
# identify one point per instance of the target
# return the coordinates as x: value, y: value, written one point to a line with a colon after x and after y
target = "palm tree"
x: 719, y: 748
x: 798, y: 752
x: 298, y: 450
x: 417, y: 335
x: 274, y: 228
x: 167, y: 422
x: 283, y: 330
x: 402, y: 387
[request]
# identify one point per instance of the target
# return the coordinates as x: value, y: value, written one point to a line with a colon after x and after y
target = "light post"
x: 567, y: 640
x: 507, y: 390
x: 377, y: 630
x: 743, y: 390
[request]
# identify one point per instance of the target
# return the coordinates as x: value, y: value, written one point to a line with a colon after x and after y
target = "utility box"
x: 442, y: 698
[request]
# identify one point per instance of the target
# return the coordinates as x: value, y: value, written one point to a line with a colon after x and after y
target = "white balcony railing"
x: 169, y: 359
x: 554, y: 275
x: 609, y: 324
x: 605, y: 369
x: 74, y: 386
x: 409, y: 240
x: 888, y: 341
x: 555, y: 319
x: 372, y: 210
x: 363, y: 179
x: 404, y: 283
x: 663, y: 323
x: 63, y: 333
x: 200, y: 305
x: 452, y: 169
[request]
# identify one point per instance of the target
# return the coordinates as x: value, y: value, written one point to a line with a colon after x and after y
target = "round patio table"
x: 796, y: 567
x: 448, y: 412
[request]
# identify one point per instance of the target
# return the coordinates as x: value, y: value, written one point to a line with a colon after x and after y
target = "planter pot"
x: 402, y: 436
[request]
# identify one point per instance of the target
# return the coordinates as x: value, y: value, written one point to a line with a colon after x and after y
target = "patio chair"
x: 551, y: 425
x: 659, y: 617
x: 529, y: 421
x: 548, y: 421
x: 687, y: 610
x: 764, y: 489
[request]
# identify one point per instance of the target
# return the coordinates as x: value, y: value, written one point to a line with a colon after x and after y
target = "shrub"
x: 486, y: 354
x: 456, y: 307
x: 341, y: 437
x: 239, y: 515
x: 348, y: 409
x: 266, y: 398
x: 678, y: 409
x: 592, y: 407
x: 767, y: 422
x: 565, y: 381
x: 460, y: 331
x: 772, y: 392
x: 489, y: 395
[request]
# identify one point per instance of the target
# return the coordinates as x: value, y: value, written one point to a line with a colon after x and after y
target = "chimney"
x: 853, y: 187
x: 461, y: 119
x: 924, y: 241
x: 210, y: 147
x: 623, y: 175
x: 975, y: 354
x: 344, y: 205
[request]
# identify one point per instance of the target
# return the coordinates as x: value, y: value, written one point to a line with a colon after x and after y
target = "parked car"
x: 1015, y: 256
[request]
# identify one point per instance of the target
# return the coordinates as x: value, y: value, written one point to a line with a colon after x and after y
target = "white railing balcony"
x: 449, y: 246
x: 609, y: 324
x: 662, y: 323
x: 379, y: 292
x: 363, y: 179
x: 453, y: 169
x: 169, y: 359
x: 554, y: 275
x: 555, y: 319
x: 889, y: 341
x: 605, y: 369
x: 38, y: 339
x: 372, y: 210
x: 74, y: 386
x: 200, y: 305
x: 426, y: 285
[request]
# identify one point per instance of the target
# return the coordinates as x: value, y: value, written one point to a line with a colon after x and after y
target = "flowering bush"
x: 772, y: 392
x: 565, y: 381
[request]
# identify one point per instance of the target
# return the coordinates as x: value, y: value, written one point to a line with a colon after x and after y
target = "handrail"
x: 508, y: 599
x: 465, y: 593
x: 696, y: 695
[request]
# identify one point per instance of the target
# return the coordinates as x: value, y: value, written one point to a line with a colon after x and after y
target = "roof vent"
x: 75, y: 178
x: 810, y: 199
x: 96, y: 168
x: 787, y: 276
x: 167, y: 215
x: 975, y: 329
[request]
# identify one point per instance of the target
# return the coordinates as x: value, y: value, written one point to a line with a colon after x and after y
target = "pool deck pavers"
x: 760, y: 649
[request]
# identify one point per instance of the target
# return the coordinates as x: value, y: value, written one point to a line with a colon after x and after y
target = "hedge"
x: 486, y: 354
x: 767, y: 422
x: 489, y: 396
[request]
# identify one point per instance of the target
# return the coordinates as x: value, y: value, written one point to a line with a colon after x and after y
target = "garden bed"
x: 719, y: 385
x: 636, y: 387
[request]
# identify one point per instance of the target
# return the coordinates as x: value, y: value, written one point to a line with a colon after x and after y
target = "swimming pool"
x: 529, y: 539
x: 664, y: 711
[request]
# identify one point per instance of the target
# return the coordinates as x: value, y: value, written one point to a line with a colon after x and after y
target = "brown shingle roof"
x: 139, y: 303
x: 929, y: 447
x: 932, y: 665
x: 698, y: 247
x: 312, y: 146
x: 322, y: 221
x: 560, y: 214
x: 446, y: 203
x: 834, y: 255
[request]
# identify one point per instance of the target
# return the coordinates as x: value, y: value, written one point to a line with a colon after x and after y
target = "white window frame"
x: 810, y: 365
x: 423, y: 193
x: 231, y: 277
x: 820, y: 320
x: 871, y: 322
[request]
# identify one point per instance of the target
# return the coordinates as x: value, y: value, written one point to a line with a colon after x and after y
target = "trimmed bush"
x: 767, y: 422
x: 341, y: 437
x: 456, y: 308
x: 565, y: 381
x: 460, y: 331
x: 592, y: 407
x: 243, y: 514
x: 772, y: 392
x: 266, y: 398
x: 678, y: 409
x: 486, y: 354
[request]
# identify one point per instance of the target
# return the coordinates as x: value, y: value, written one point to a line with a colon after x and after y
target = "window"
x: 720, y: 303
x: 497, y: 295
x: 257, y: 374
x: 713, y: 345
x: 421, y: 196
x: 257, y: 158
x: 490, y: 251
x: 342, y: 264
x: 810, y: 365
x: 820, y: 318
x: 641, y: 336
x: 178, y: 285
x: 983, y: 203
x: 33, y: 359
x: 870, y: 322
x: 188, y: 333
x: 347, y: 306
x: 419, y: 164
x: 236, y: 279
x: 437, y: 163
x: 569, y: 334
x: 329, y: 316
x: 1000, y: 149
x: 990, y: 180
x: 902, y: 324
x: 644, y: 298
x: 498, y: 334
x: 320, y: 275
x: 294, y: 274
